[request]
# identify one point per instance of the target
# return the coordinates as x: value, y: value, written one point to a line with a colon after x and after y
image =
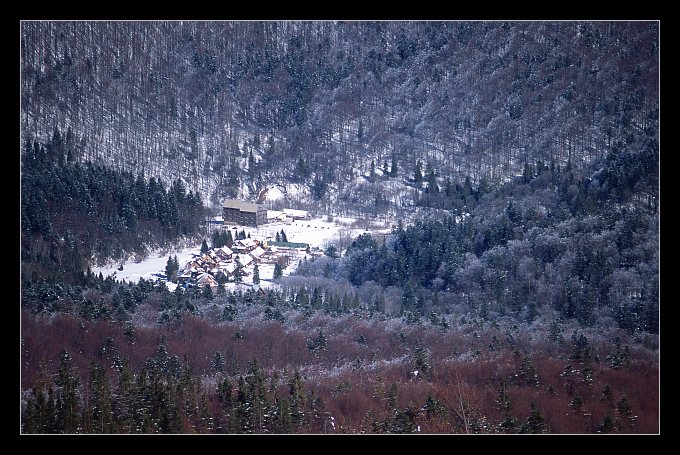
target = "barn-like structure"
x: 243, y: 213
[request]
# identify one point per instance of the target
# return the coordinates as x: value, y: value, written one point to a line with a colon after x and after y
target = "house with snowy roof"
x: 297, y: 214
x: 206, y: 279
x: 275, y: 215
x: 224, y: 253
x: 257, y: 253
x: 245, y: 260
x: 184, y: 277
x: 229, y: 269
x: 244, y: 246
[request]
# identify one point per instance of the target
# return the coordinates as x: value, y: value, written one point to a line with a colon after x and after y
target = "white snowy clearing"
x: 317, y: 232
x: 149, y: 268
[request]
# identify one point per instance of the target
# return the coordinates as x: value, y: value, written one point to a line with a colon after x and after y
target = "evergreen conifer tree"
x: 68, y: 407
x: 394, y: 169
x: 418, y: 173
x: 278, y: 271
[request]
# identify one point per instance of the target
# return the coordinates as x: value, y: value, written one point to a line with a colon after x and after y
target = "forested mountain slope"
x: 518, y: 291
x: 75, y: 215
x: 231, y: 107
x: 585, y: 247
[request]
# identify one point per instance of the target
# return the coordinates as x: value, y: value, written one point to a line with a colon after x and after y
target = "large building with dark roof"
x: 243, y: 213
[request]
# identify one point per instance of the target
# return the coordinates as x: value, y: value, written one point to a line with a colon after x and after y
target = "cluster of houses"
x: 224, y: 263
x: 221, y: 264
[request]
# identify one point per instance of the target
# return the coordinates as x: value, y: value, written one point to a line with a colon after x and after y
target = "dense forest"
x: 522, y: 317
x: 107, y: 357
x: 518, y: 291
x: 234, y: 107
x: 75, y: 214
x: 587, y: 248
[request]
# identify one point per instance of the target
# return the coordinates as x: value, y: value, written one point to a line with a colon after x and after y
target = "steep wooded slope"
x: 234, y: 106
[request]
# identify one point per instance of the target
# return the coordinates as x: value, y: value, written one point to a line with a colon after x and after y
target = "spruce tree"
x: 204, y: 247
x: 218, y: 361
x: 217, y: 239
x: 170, y: 270
x: 256, y: 274
x: 278, y: 271
x: 296, y: 400
x: 238, y: 274
x: 509, y: 422
x: 101, y: 408
x: 418, y: 173
x: 68, y: 407
x: 535, y: 423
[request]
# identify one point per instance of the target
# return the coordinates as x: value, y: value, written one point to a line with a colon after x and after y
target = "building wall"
x: 261, y: 217
x: 235, y: 216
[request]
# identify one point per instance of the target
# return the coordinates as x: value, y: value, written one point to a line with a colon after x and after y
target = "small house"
x: 245, y: 260
x: 229, y: 269
x: 257, y: 252
x: 297, y: 214
x: 184, y: 277
x: 224, y: 253
x: 205, y: 279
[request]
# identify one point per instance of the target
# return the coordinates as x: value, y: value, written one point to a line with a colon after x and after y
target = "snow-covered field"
x: 149, y: 267
x: 317, y: 232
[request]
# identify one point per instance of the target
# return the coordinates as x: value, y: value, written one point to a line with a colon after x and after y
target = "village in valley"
x: 255, y: 246
x: 250, y: 259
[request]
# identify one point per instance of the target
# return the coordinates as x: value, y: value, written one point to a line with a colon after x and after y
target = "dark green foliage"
x: 418, y: 174
x: 222, y: 237
x: 171, y: 268
x: 434, y: 408
x: 218, y: 361
x: 331, y: 251
x: 626, y: 418
x: 509, y: 423
x: 422, y: 363
x: 278, y: 271
x: 607, y: 425
x: 296, y: 400
x: 238, y: 274
x: 602, y: 258
x: 319, y: 343
x: 394, y: 169
x: 582, y: 351
x: 67, y: 410
x: 99, y: 415
x: 535, y: 423
x: 72, y: 211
